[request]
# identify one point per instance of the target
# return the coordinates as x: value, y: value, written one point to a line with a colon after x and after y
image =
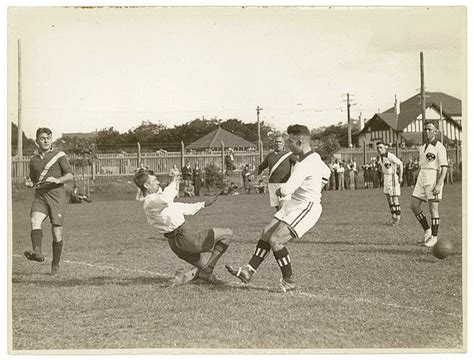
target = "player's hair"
x: 434, y: 123
x: 380, y: 142
x: 298, y: 130
x: 141, y: 177
x: 43, y: 130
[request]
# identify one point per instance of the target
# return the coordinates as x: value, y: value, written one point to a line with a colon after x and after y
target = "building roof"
x: 215, y: 139
x: 410, y: 110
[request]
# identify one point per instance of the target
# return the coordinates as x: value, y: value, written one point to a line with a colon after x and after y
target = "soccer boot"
x: 431, y: 241
x: 390, y: 222
x: 183, y: 277
x: 34, y: 256
x: 396, y: 223
x: 426, y: 237
x: 244, y: 273
x: 287, y: 285
x: 54, y: 268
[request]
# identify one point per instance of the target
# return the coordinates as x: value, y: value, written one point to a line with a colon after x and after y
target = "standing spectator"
x: 340, y: 176
x: 332, y: 178
x: 229, y: 162
x: 367, y: 175
x: 351, y: 177
x: 346, y: 174
x: 416, y: 169
x: 335, y: 168
x: 197, y: 179
x: 356, y: 171
x: 449, y: 174
x: 409, y: 173
x: 174, y: 172
x: 247, y: 178
x: 187, y: 172
x: 375, y: 173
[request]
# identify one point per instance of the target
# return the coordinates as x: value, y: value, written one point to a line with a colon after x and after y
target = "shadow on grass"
x: 94, y: 281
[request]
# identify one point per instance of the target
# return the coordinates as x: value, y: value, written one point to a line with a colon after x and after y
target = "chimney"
x: 396, y: 108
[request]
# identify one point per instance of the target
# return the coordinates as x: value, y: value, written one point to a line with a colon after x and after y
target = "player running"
x: 279, y: 167
x: 388, y: 162
x: 167, y: 217
x: 49, y: 171
x: 297, y: 215
x: 429, y: 184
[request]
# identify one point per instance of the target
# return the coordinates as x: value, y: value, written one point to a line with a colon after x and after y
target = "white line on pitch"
x: 267, y: 288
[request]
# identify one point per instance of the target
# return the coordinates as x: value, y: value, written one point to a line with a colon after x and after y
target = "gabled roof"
x: 410, y: 110
x: 215, y: 139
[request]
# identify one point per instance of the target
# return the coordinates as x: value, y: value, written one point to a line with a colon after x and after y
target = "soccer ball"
x: 443, y: 249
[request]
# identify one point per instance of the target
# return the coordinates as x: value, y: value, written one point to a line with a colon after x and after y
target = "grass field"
x: 361, y: 284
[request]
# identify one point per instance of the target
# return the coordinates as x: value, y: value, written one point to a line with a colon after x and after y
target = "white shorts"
x: 274, y: 199
x: 391, y: 185
x: 300, y: 216
x: 425, y: 183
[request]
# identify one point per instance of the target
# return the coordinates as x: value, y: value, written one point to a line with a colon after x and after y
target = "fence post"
x: 182, y: 154
x: 93, y: 168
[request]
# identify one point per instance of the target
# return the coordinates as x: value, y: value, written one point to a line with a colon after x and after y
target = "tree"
x: 328, y: 146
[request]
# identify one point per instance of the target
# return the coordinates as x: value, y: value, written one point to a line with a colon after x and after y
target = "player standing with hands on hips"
x: 297, y: 215
x: 167, y: 217
x: 49, y: 171
x: 391, y: 180
x: 429, y: 184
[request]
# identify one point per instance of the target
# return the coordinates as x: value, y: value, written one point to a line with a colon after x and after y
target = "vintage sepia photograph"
x: 237, y: 179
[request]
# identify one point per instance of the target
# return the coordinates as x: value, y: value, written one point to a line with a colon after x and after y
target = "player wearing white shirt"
x: 297, y: 215
x: 388, y: 162
x: 167, y: 217
x: 429, y: 184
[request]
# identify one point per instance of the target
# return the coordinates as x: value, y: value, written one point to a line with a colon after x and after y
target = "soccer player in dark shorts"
x: 49, y: 171
x: 167, y: 217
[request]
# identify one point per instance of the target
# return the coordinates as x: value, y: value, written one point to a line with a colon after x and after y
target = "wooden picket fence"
x: 125, y: 164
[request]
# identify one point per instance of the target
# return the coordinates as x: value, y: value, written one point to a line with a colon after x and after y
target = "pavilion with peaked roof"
x: 214, y: 140
x: 402, y: 123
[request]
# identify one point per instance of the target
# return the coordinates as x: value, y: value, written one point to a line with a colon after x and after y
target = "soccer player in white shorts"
x: 297, y: 215
x: 429, y: 184
x: 388, y: 162
x: 279, y: 168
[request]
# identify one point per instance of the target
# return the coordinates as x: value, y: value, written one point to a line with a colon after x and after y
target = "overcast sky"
x: 86, y: 69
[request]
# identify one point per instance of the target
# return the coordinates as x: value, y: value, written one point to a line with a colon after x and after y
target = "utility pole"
x: 19, y: 152
x: 258, y: 128
x: 422, y: 93
x: 349, y: 127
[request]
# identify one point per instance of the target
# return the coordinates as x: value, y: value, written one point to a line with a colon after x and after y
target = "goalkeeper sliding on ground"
x: 167, y: 217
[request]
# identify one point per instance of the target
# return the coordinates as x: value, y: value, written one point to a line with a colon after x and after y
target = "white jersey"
x: 387, y: 162
x: 305, y: 181
x: 433, y: 156
x: 163, y: 213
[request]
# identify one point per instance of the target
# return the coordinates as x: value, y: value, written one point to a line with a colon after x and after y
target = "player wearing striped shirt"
x: 49, y: 171
x: 279, y: 167
x: 388, y: 162
x: 297, y: 215
x: 168, y: 218
x: 429, y: 184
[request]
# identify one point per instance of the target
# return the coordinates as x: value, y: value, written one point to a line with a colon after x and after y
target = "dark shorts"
x: 50, y: 203
x: 188, y: 245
